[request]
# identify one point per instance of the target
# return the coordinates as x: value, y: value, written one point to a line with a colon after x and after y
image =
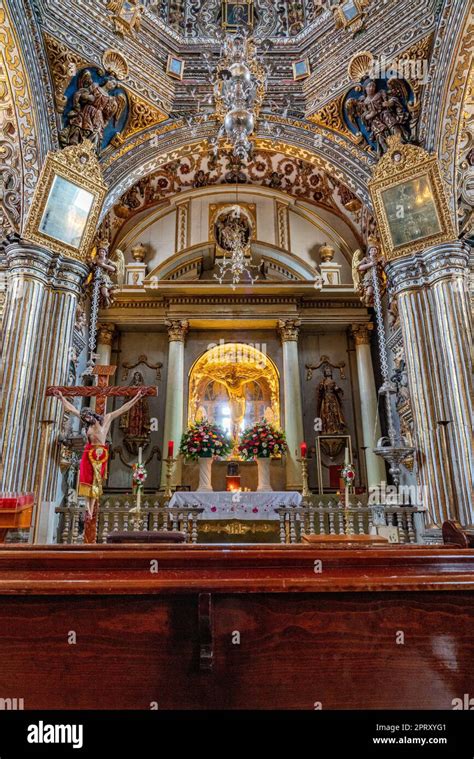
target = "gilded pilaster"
x: 433, y: 303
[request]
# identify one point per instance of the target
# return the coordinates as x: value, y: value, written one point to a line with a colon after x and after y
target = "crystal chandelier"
x: 236, y: 261
x: 239, y: 90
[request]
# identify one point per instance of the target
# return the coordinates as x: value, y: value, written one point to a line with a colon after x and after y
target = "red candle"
x: 170, y: 448
x: 304, y: 450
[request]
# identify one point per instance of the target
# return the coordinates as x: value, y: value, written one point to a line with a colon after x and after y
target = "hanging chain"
x: 94, y: 317
x: 386, y: 387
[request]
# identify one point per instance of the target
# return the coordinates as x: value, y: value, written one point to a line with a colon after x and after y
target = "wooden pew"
x: 236, y: 627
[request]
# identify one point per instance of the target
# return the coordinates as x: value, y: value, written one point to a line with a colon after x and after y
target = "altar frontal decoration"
x: 205, y: 440
x: 262, y: 440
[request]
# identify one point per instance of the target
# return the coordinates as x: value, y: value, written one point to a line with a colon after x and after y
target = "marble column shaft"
x: 174, y: 406
x: 432, y: 290
x: 288, y: 331
x: 368, y: 404
x: 42, y: 294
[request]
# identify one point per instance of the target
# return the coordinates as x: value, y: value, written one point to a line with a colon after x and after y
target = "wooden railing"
x: 116, y: 515
x: 323, y: 516
x: 332, y: 518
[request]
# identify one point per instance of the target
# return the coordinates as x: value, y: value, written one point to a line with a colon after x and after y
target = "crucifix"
x: 93, y: 467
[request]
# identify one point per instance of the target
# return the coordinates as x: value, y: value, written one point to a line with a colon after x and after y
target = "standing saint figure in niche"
x: 135, y: 423
x: 329, y: 405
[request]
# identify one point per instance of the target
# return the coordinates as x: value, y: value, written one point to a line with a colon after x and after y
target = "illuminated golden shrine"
x: 234, y: 385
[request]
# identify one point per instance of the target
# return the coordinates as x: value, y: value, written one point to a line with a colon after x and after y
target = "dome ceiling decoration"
x: 267, y: 18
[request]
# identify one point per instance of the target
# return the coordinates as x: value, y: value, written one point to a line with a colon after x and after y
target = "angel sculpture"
x: 382, y: 112
x: 362, y: 272
x: 92, y: 108
x: 109, y: 266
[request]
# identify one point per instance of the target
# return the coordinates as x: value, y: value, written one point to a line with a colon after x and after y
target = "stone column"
x: 288, y: 331
x: 105, y: 339
x: 432, y: 291
x: 174, y: 407
x: 368, y: 404
x: 43, y: 289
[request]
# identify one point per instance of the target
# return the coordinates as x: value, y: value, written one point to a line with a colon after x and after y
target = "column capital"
x: 177, y: 330
x: 361, y: 333
x: 34, y: 262
x: 105, y: 334
x: 423, y: 269
x: 288, y: 329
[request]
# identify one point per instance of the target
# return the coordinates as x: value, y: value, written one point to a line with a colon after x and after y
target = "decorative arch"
x: 234, y: 385
x: 297, y: 174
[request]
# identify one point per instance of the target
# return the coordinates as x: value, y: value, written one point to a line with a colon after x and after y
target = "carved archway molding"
x: 19, y: 158
x: 285, y: 175
x: 135, y: 167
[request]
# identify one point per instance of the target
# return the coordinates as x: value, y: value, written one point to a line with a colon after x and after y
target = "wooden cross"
x: 101, y: 391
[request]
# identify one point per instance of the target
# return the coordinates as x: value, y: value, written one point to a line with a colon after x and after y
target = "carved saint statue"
x: 92, y: 108
x: 329, y: 405
x: 135, y: 423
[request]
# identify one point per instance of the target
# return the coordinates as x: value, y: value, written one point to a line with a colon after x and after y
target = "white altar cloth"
x: 240, y: 505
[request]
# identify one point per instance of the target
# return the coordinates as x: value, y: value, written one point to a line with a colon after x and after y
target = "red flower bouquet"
x: 262, y: 440
x: 204, y: 440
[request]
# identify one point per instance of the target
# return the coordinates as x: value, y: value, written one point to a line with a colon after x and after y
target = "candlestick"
x: 170, y: 462
x: 305, y: 492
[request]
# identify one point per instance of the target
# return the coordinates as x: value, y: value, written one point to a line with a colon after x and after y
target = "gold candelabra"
x: 304, y: 472
x: 170, y: 462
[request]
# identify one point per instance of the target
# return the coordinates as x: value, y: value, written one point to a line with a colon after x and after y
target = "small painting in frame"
x: 301, y: 69
x: 175, y: 67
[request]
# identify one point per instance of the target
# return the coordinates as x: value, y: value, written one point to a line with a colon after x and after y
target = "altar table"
x: 238, y: 505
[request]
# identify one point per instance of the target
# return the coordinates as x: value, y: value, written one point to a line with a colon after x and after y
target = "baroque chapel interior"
x: 234, y: 296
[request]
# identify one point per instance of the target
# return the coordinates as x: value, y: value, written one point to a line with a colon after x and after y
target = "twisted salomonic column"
x: 433, y: 302
x: 42, y: 294
x: 174, y: 406
x: 288, y: 331
x: 368, y: 404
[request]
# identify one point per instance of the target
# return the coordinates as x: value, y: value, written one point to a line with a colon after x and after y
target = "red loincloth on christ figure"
x: 93, y: 470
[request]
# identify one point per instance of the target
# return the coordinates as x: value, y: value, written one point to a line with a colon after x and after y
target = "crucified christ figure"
x: 93, y: 468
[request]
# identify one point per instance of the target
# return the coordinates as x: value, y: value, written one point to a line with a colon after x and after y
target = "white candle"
x: 140, y: 456
x: 346, y: 456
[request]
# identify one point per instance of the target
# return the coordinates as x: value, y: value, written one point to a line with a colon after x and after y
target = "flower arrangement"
x: 204, y: 440
x: 348, y: 474
x: 262, y: 440
x: 139, y: 475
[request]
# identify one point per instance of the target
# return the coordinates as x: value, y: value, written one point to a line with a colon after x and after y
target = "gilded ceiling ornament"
x: 115, y: 63
x: 360, y: 65
x: 18, y: 148
x: 64, y: 64
x: 350, y: 14
x: 142, y: 115
x: 125, y: 15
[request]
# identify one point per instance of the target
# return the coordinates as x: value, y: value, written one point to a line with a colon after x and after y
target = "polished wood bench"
x: 226, y: 627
